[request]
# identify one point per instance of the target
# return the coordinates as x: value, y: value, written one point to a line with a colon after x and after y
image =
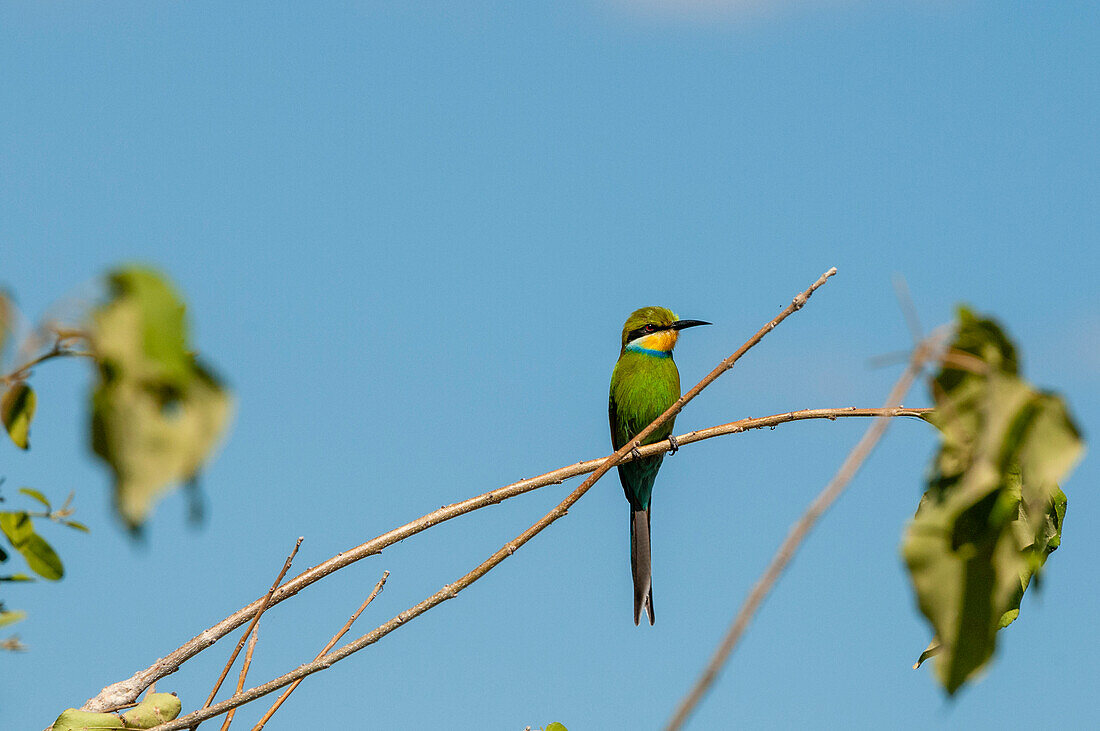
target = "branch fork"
x: 126, y: 691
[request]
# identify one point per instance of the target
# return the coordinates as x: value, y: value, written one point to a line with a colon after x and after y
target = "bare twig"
x: 451, y: 590
x: 801, y: 529
x: 765, y: 422
x: 114, y: 695
x: 252, y: 640
x: 264, y: 604
x: 908, y: 308
x: 134, y: 685
x: 331, y: 643
x: 21, y: 373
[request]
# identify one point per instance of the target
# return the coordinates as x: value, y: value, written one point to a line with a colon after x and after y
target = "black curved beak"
x: 683, y: 324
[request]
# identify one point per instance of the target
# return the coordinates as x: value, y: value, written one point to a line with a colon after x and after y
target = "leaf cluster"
x: 993, y: 509
x: 157, y: 411
x: 19, y: 530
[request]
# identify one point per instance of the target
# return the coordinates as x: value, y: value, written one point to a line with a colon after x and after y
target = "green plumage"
x: 642, y: 388
x: 644, y: 384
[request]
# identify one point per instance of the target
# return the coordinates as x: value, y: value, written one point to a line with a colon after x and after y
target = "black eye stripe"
x: 641, y: 331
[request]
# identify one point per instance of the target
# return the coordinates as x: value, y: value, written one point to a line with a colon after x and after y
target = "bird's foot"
x: 635, y: 453
x: 675, y: 445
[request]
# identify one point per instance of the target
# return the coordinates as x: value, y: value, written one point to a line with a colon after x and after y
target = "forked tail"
x: 639, y: 563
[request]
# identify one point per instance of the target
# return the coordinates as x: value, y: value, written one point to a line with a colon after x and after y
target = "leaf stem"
x: 57, y: 351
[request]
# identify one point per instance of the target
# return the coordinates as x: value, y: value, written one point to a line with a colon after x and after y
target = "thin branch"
x: 66, y: 334
x: 21, y: 373
x: 252, y: 640
x: 264, y: 604
x: 908, y: 308
x: 331, y: 643
x: 451, y: 590
x: 765, y: 422
x: 127, y: 690
x: 801, y: 529
x: 134, y: 685
x: 113, y: 695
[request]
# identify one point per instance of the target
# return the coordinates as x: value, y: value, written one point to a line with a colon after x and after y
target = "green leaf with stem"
x: 37, y: 496
x: 40, y: 556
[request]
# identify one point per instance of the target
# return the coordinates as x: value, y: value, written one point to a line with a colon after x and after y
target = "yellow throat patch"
x: 662, y: 341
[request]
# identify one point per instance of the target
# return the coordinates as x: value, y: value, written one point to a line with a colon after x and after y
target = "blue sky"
x: 409, y: 234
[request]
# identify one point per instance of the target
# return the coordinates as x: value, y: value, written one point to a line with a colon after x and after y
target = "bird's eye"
x: 649, y: 328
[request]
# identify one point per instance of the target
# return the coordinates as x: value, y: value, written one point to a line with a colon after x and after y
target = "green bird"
x: 644, y: 384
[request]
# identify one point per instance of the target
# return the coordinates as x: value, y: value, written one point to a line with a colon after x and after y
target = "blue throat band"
x: 647, y: 351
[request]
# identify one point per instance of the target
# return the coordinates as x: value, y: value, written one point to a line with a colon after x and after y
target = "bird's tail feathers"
x: 640, y: 564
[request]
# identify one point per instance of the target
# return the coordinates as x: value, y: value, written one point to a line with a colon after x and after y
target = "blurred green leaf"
x: 154, y: 709
x: 40, y: 556
x: 37, y: 496
x: 17, y: 410
x: 555, y: 727
x: 157, y: 413
x: 1037, y: 543
x: 76, y: 524
x: 16, y: 577
x: 74, y: 720
x: 11, y: 617
x: 16, y: 525
x: 993, y: 510
x: 932, y: 650
x: 143, y: 327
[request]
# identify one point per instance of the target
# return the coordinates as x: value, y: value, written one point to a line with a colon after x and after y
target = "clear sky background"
x: 409, y: 234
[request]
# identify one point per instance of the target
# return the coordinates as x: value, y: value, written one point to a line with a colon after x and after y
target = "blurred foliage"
x: 17, y: 407
x: 18, y: 529
x: 993, y: 510
x: 157, y: 412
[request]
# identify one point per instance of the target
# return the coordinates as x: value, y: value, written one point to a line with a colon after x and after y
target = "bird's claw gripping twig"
x: 635, y: 453
x: 675, y: 445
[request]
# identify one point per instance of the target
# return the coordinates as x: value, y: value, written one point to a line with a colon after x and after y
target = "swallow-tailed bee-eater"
x: 644, y: 384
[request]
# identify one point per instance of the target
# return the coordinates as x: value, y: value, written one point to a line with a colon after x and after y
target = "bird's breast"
x: 642, y: 388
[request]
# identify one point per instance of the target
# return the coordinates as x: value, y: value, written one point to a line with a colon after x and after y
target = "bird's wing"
x: 622, y: 429
x: 613, y: 419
